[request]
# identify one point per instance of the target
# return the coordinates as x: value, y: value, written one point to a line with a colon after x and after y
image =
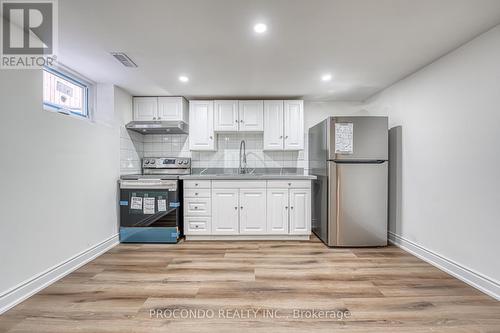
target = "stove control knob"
x: 146, y: 162
x: 152, y: 161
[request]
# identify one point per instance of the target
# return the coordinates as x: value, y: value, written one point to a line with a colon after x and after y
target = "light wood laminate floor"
x: 241, y: 286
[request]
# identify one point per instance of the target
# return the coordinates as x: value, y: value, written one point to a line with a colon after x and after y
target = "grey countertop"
x: 253, y: 173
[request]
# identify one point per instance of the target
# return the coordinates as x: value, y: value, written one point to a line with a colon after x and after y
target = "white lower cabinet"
x: 197, y: 208
x: 277, y: 212
x: 300, y: 211
x: 225, y: 212
x: 247, y: 208
x: 197, y: 225
x: 253, y: 211
x: 238, y: 211
x: 288, y: 211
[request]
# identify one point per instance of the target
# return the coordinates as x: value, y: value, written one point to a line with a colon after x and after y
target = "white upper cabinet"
x: 251, y: 116
x: 284, y: 125
x: 300, y: 211
x: 253, y: 211
x: 294, y: 125
x: 145, y: 108
x: 273, y: 125
x: 160, y: 108
x: 226, y: 116
x: 172, y: 109
x: 201, y: 125
x: 243, y: 116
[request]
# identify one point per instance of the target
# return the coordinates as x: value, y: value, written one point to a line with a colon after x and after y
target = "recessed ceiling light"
x: 260, y: 28
x: 326, y: 77
x: 183, y: 78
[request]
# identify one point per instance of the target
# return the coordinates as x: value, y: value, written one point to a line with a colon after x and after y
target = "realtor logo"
x: 29, y: 37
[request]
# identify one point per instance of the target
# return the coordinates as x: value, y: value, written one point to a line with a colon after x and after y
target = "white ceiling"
x: 366, y: 44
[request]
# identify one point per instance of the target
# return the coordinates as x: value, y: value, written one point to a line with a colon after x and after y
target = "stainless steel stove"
x: 162, y: 168
x: 151, y: 202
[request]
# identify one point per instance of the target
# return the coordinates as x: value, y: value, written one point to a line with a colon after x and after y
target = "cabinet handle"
x: 196, y: 184
x: 291, y: 207
x: 241, y: 207
x: 236, y: 121
x: 159, y: 118
x: 196, y: 193
x: 236, y: 208
x: 211, y: 137
x: 281, y: 136
x: 289, y: 184
x: 241, y: 121
x: 196, y: 226
x: 195, y: 207
x: 286, y: 207
x: 286, y: 137
x: 154, y: 118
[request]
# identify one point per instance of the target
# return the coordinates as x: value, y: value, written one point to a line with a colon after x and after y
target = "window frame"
x: 78, y: 80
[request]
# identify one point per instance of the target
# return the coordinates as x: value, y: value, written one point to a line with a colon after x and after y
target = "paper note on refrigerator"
x: 162, y: 205
x: 344, y: 138
x: 136, y: 203
x: 149, y: 206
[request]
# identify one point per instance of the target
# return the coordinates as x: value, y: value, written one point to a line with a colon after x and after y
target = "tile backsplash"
x: 131, y: 151
x: 227, y: 154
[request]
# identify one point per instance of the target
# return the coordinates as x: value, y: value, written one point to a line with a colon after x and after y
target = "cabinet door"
x: 273, y: 125
x: 201, y: 125
x: 145, y: 108
x: 277, y: 211
x: 300, y: 211
x: 225, y: 212
x: 252, y: 211
x: 170, y: 108
x: 294, y: 125
x: 251, y: 114
x: 226, y: 116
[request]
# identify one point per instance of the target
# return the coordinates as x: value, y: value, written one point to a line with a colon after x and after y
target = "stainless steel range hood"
x: 158, y: 127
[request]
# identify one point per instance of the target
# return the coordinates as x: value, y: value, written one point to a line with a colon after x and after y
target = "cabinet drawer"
x: 197, y: 225
x: 239, y: 184
x: 288, y: 183
x: 197, y: 184
x: 197, y: 193
x: 197, y: 206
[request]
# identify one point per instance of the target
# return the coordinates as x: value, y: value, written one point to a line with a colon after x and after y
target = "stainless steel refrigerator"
x: 349, y: 156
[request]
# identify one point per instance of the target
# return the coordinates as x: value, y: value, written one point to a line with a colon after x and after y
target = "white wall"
x: 450, y: 118
x: 58, y: 180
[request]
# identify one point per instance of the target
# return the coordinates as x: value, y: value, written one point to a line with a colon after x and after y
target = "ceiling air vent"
x: 124, y: 59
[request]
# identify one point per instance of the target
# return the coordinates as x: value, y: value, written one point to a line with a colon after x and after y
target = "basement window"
x: 65, y: 93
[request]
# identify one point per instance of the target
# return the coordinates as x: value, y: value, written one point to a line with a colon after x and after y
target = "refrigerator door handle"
x: 337, y: 210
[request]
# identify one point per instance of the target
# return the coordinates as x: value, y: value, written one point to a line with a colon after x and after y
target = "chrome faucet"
x: 243, y: 166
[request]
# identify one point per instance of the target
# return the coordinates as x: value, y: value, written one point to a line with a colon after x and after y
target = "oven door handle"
x: 148, y: 185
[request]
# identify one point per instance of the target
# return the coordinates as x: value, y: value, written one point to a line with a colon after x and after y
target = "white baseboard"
x: 483, y: 283
x: 245, y: 238
x: 22, y: 291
